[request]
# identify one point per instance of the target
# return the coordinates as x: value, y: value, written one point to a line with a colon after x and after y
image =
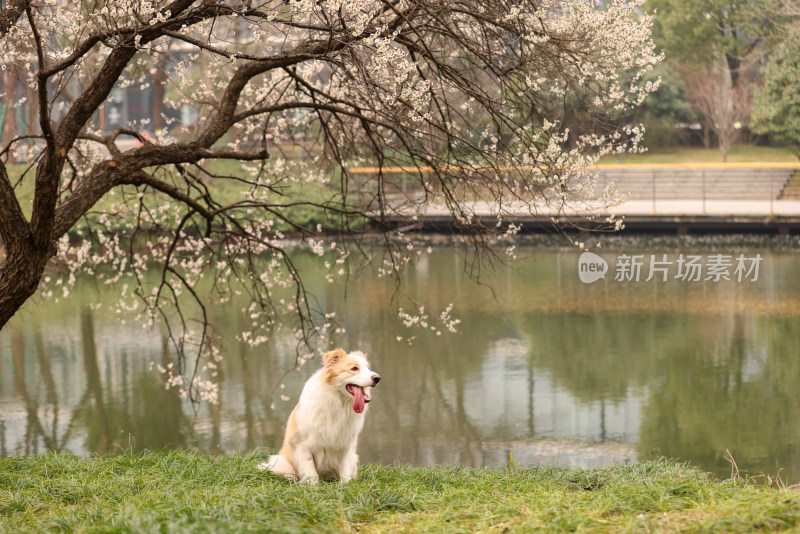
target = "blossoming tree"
x: 448, y: 102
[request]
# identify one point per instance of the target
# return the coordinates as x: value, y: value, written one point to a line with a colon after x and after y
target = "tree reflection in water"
x: 103, y: 417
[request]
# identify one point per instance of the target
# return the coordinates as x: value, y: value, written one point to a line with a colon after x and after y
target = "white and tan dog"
x: 322, y: 432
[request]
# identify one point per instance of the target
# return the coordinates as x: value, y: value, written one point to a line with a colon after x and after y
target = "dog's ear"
x: 333, y: 356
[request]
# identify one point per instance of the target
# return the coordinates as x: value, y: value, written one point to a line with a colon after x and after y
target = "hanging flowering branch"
x: 266, y: 106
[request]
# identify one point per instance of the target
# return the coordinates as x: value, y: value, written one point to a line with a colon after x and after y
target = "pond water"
x: 547, y: 370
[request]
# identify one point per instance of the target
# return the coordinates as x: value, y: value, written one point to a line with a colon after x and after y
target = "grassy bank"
x: 179, y: 491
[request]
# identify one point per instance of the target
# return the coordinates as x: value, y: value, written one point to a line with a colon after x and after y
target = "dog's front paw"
x: 310, y: 480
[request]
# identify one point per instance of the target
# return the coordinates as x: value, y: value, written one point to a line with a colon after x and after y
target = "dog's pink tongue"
x: 358, y: 399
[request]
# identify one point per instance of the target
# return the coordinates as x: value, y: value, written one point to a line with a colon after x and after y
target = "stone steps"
x: 709, y: 184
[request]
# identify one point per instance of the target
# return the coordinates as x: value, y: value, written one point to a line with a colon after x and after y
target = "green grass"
x: 737, y: 154
x: 159, y: 491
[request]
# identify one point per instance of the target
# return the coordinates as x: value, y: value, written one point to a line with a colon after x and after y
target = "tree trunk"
x: 20, y: 273
x: 33, y: 111
x: 159, y: 79
x: 725, y: 116
x: 706, y: 135
x: 9, y: 126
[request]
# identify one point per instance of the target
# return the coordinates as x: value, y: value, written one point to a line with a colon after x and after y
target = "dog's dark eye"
x: 354, y: 369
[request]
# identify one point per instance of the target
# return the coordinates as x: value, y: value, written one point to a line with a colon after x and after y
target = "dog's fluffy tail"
x: 279, y: 465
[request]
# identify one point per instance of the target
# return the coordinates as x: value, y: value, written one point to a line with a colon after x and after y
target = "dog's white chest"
x: 329, y: 423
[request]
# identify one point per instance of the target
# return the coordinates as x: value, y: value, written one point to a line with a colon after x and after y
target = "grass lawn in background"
x: 167, y: 491
x: 293, y: 200
x: 688, y: 155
